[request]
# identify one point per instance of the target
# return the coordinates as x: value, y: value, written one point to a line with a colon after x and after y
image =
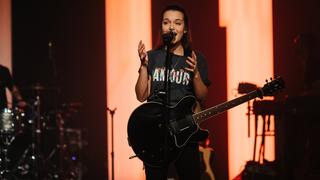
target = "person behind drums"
x: 9, y: 124
x: 6, y: 81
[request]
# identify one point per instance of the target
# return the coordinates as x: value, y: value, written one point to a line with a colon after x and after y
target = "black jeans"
x: 187, y: 165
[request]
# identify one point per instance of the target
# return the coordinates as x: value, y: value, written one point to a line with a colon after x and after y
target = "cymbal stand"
x: 61, y: 146
x: 58, y: 169
x: 112, y: 146
x: 32, y: 160
x: 5, y: 173
x: 38, y: 122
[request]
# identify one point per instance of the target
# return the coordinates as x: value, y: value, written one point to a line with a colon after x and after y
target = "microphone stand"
x: 167, y: 90
x: 112, y: 151
x: 168, y: 63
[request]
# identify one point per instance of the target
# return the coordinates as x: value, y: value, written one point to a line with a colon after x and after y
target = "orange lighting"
x: 127, y: 22
x: 5, y: 36
x: 249, y: 58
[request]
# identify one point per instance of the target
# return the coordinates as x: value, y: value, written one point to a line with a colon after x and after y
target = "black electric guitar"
x: 157, y: 143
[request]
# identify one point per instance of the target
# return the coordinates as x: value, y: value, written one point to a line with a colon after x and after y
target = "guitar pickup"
x: 180, y: 125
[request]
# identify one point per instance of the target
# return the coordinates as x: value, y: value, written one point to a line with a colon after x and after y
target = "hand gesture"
x: 142, y: 53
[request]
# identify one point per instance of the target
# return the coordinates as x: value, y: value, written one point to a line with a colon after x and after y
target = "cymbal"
x: 72, y: 105
x: 39, y: 87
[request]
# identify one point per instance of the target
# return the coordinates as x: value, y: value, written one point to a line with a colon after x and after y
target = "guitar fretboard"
x: 213, y: 111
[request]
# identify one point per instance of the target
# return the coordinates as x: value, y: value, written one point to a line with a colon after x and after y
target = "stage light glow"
x: 5, y: 38
x: 249, y: 58
x: 127, y: 22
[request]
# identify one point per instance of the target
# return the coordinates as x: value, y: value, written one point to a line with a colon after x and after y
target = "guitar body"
x: 156, y: 142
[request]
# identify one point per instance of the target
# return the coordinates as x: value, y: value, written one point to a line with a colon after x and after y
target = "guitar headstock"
x: 275, y: 85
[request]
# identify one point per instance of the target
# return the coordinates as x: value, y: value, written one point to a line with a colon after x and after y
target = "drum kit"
x: 38, y: 145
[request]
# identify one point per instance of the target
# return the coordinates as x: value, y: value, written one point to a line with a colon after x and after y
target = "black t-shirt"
x: 5, y: 81
x: 180, y: 80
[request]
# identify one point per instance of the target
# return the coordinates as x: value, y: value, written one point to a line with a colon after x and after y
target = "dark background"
x: 73, y: 69
x: 297, y: 145
x: 291, y: 18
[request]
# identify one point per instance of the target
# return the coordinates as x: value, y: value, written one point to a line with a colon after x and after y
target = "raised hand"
x: 142, y: 53
x: 192, y: 62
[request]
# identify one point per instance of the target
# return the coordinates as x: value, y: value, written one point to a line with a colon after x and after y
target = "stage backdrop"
x: 5, y: 36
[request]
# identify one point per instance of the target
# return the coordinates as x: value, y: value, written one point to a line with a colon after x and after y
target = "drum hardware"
x: 8, y: 125
x: 5, y: 173
x: 65, y: 157
x: 32, y: 160
x: 61, y: 146
x: 37, y: 87
x: 31, y: 164
x: 11, y: 121
x: 30, y: 128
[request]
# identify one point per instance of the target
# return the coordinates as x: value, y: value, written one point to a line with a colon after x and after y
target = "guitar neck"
x: 220, y: 108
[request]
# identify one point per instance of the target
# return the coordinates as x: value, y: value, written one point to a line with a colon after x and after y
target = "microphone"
x: 168, y: 37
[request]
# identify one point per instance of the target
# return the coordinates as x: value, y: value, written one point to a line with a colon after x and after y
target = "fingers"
x: 141, y: 49
x: 142, y: 53
x: 192, y: 63
x: 194, y: 56
x: 140, y: 45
